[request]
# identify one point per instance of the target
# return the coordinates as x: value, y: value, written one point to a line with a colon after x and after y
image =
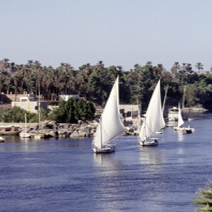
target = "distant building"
x: 28, y: 102
x: 8, y: 98
x: 130, y: 111
x: 66, y: 97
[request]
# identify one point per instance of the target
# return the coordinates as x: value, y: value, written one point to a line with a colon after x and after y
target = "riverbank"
x: 62, y: 130
x: 194, y: 109
x: 66, y: 130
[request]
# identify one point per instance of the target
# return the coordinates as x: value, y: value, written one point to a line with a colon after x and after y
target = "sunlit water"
x: 65, y: 175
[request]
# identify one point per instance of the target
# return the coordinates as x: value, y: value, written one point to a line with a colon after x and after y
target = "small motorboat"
x: 2, y: 139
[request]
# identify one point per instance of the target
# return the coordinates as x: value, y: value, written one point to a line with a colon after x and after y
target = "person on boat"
x: 144, y: 140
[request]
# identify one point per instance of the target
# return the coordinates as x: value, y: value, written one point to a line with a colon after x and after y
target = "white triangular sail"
x: 180, y: 118
x: 110, y: 125
x: 154, y: 120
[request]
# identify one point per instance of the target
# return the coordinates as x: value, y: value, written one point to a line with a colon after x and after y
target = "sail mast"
x: 164, y: 101
x: 39, y: 102
x: 184, y: 94
x: 25, y: 122
x: 101, y: 131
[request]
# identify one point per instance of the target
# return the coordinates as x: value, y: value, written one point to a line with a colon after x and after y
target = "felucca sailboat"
x: 25, y: 134
x: 110, y: 125
x: 153, y: 119
x: 181, y: 122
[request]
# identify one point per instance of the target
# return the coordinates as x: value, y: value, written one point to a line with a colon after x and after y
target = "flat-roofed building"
x: 29, y: 103
x: 130, y: 111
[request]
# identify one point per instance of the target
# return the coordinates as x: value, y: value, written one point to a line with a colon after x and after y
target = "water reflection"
x: 151, y: 155
x: 180, y: 136
x: 105, y: 161
x: 15, y: 143
x: 153, y: 162
x: 25, y: 144
x: 108, y: 174
x: 11, y: 138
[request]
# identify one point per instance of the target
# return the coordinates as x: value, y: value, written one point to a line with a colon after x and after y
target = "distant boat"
x: 181, y: 122
x: 173, y: 114
x: 110, y: 125
x: 25, y: 134
x: 2, y: 139
x: 9, y: 130
x: 38, y: 135
x: 153, y: 119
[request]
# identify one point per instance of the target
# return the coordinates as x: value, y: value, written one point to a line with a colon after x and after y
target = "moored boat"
x: 10, y: 130
x: 25, y: 134
x: 2, y: 139
x: 179, y: 127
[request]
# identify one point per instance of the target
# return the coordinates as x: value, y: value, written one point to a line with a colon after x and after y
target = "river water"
x: 65, y: 175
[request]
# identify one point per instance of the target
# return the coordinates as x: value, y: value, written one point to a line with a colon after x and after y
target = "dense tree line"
x: 95, y: 82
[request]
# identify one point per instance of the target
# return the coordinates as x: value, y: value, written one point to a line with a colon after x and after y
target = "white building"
x: 130, y: 111
x: 66, y: 97
x: 29, y: 103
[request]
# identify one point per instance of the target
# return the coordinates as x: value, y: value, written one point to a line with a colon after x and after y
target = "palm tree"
x: 1, y: 80
x: 199, y: 66
x: 136, y: 67
x: 120, y: 68
x: 37, y: 67
x: 205, y: 200
x: 100, y: 65
x: 29, y: 79
x: 175, y: 68
x: 182, y: 72
x: 17, y: 77
x: 6, y: 64
x: 59, y: 81
x: 7, y: 69
x: 158, y: 70
x: 7, y: 80
x: 67, y: 72
x: 189, y: 71
x: 149, y: 63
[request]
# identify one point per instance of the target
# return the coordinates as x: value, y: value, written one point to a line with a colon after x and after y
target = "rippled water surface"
x: 65, y: 175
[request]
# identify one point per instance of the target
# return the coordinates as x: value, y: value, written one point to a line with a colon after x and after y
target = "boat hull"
x: 9, y: 132
x: 107, y: 149
x: 38, y: 136
x: 152, y: 142
x: 2, y: 139
x: 185, y: 130
x: 24, y: 135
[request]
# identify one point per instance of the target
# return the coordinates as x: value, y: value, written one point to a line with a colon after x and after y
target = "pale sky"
x: 118, y: 32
